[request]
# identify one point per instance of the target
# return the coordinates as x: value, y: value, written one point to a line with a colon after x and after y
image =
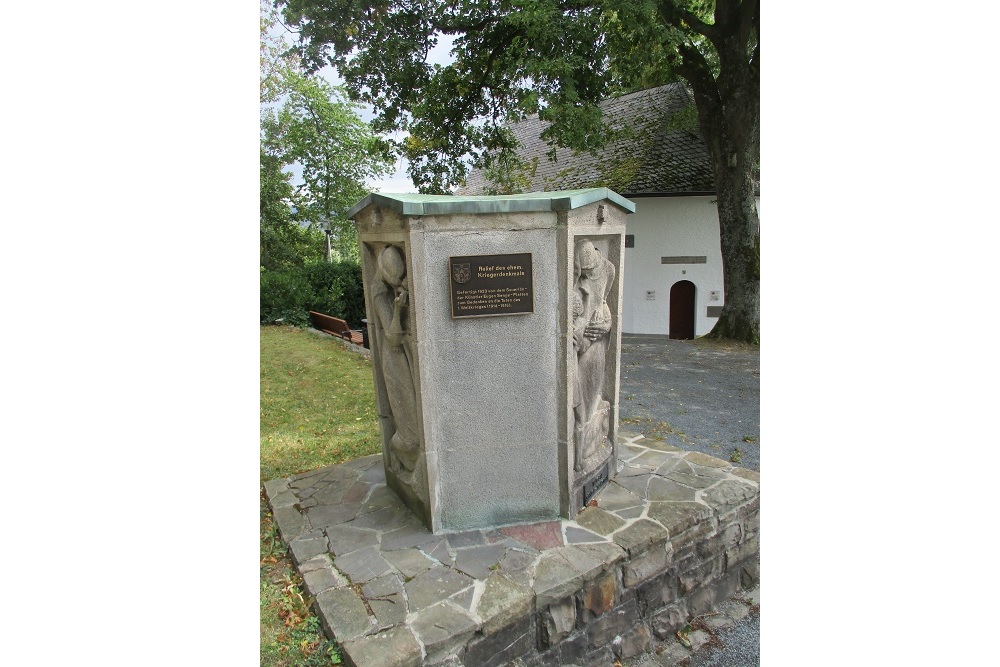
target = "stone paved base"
x: 674, y: 534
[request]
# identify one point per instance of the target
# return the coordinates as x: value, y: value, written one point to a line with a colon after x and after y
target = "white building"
x: 673, y: 261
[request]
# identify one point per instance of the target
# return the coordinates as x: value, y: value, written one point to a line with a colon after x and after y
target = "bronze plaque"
x: 485, y: 285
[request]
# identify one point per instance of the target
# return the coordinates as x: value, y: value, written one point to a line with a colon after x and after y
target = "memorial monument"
x: 495, y: 328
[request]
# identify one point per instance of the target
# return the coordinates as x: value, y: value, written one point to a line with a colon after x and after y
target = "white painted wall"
x: 664, y: 227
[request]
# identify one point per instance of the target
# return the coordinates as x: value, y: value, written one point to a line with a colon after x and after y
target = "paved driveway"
x: 697, y: 395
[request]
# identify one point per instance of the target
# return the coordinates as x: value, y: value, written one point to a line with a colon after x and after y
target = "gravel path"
x: 703, y: 396
x: 696, y: 395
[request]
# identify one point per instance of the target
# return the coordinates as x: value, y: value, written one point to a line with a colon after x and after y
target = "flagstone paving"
x: 393, y: 593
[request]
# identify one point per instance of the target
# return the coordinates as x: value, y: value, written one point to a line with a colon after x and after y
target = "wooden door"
x: 682, y: 310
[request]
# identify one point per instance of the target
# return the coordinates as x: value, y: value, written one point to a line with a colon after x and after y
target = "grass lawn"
x: 317, y: 408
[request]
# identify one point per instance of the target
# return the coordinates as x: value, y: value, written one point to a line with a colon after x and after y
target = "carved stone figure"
x: 593, y: 279
x: 390, y: 299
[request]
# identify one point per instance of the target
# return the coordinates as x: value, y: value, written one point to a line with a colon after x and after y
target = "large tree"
x: 309, y: 126
x: 557, y: 58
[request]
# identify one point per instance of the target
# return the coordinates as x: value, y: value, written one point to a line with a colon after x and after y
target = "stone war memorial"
x: 507, y: 518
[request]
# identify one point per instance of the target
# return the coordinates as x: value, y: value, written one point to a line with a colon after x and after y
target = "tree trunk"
x: 739, y: 227
x: 729, y: 117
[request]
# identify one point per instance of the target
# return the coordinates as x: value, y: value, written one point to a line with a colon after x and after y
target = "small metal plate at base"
x: 595, y: 484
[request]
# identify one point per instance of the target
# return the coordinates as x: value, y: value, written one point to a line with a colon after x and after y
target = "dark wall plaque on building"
x: 484, y: 285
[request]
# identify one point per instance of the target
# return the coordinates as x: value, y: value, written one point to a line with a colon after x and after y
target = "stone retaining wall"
x: 674, y: 534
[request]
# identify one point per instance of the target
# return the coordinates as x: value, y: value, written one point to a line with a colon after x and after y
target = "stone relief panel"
x: 394, y: 360
x: 593, y: 280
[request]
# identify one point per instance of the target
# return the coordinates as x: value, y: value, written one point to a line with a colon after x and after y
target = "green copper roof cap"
x: 561, y: 200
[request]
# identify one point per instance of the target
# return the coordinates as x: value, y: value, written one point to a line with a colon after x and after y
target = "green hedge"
x: 287, y: 295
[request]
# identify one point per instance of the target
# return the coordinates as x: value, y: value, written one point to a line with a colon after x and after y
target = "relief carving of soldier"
x: 390, y: 300
x: 593, y: 279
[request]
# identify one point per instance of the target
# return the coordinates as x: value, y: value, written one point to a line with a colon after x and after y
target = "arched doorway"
x: 682, y: 310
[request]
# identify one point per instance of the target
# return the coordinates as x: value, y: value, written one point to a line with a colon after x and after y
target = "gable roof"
x: 663, y: 153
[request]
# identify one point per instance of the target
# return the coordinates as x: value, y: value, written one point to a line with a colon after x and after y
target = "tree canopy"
x: 309, y: 125
x: 559, y: 59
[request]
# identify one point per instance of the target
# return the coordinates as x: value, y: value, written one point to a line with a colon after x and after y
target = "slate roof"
x: 665, y: 153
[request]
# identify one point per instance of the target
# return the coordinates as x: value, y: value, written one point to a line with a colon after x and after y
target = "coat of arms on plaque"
x: 461, y: 273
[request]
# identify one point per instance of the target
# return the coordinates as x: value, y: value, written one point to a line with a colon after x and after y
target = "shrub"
x: 284, y: 296
x: 337, y: 290
x: 331, y: 288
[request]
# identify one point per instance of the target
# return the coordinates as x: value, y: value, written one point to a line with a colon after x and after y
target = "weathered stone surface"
x: 465, y: 598
x: 627, y: 451
x: 307, y: 546
x: 582, y: 561
x: 653, y: 459
x: 315, y: 563
x: 409, y: 562
x: 750, y: 575
x: 751, y: 475
x: 283, y: 499
x: 356, y: 493
x: 517, y: 561
x: 691, y: 535
x: 616, y: 622
x: 502, y: 603
x: 698, y: 638
x: 291, y: 524
x: 659, y: 591
x: 573, y: 650
x: 695, y: 476
x: 669, y: 620
x: 323, y: 516
x: 599, y: 596
x: 345, y: 539
x: 494, y: 650
x: 332, y: 494
x: 386, y: 519
x: 554, y: 580
x: 405, y: 537
x: 438, y: 550
x: 306, y: 479
x: 629, y: 513
x: 607, y: 553
x: 706, y: 460
x: 576, y: 535
x: 344, y: 613
x: 538, y: 535
x: 275, y: 486
x: 728, y: 494
x: 668, y: 489
x: 480, y: 562
x: 634, y: 484
x: 442, y: 628
x: 319, y: 580
x: 556, y: 622
x: 469, y: 538
x: 599, y: 521
x: 434, y: 585
x: 656, y: 443
x: 644, y: 566
x: 395, y: 647
x: 672, y: 654
x: 382, y: 498
x: 634, y: 642
x: 362, y: 565
x: 678, y: 517
x: 385, y: 598
x: 614, y: 497
x: 639, y: 536
x: 700, y: 573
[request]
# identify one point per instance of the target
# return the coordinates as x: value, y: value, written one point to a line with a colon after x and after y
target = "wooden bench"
x: 335, y: 327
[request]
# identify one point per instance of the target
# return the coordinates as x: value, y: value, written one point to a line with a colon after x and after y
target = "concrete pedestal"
x: 495, y: 326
